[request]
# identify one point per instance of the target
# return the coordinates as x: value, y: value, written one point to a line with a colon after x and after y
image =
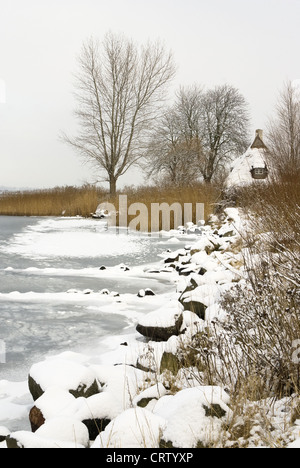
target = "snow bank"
x: 134, y: 428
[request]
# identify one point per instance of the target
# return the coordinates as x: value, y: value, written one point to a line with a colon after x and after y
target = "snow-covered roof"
x: 255, y: 157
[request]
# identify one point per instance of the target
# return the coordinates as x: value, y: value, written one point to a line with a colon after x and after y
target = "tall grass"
x: 73, y: 201
x: 257, y: 341
x: 202, y: 193
x: 59, y: 201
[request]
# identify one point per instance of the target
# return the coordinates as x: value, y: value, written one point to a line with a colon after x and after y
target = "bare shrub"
x: 256, y: 341
x: 283, y: 136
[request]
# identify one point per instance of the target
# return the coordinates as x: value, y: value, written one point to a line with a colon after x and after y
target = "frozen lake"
x: 50, y: 284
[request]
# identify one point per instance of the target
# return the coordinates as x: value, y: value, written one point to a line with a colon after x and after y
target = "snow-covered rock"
x: 152, y: 393
x: 44, y: 408
x: 134, y: 428
x: 58, y: 432
x: 69, y: 375
x: 194, y: 417
x: 4, y: 432
x: 145, y: 292
x: 161, y: 324
x: 121, y: 382
x: 65, y: 429
x: 96, y: 412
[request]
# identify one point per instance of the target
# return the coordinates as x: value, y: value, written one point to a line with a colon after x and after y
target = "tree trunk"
x: 112, y: 185
x: 207, y: 179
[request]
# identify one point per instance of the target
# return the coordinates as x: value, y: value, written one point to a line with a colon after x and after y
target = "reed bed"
x: 201, y: 193
x: 83, y: 201
x: 59, y: 201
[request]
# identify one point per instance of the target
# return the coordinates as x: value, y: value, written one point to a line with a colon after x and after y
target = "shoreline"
x: 137, y: 391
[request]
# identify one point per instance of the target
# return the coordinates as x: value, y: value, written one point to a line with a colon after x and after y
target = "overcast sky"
x: 251, y: 44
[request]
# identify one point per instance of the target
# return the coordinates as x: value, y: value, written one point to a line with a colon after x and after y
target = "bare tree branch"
x: 119, y: 91
x: 283, y: 137
x: 199, y: 135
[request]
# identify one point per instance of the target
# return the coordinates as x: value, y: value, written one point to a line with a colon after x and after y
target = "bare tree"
x: 283, y: 137
x: 188, y: 106
x: 120, y: 88
x: 224, y: 130
x: 171, y: 158
x: 200, y: 134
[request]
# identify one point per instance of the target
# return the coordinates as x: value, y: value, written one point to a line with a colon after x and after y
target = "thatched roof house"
x: 251, y: 165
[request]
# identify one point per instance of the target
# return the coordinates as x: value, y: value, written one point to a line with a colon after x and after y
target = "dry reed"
x: 83, y: 201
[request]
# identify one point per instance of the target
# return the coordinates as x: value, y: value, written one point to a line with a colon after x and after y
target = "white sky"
x: 251, y: 44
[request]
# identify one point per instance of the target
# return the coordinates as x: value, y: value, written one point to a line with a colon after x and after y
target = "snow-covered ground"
x: 122, y: 382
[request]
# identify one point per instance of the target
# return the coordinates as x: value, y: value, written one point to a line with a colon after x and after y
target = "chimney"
x: 259, y: 142
x: 260, y: 134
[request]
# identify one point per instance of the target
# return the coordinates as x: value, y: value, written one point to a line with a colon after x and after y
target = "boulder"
x: 96, y: 412
x: 160, y: 325
x: 68, y: 375
x: 145, y: 292
x: 193, y: 304
x: 121, y: 382
x: 24, y: 439
x: 135, y: 428
x: 152, y: 393
x: 64, y: 430
x: 195, y: 417
x: 170, y: 362
x: 36, y: 418
x: 4, y: 432
x: 149, y: 358
x: 197, y: 307
x: 175, y: 256
x: 34, y: 388
x: 12, y: 442
x: 52, y: 403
